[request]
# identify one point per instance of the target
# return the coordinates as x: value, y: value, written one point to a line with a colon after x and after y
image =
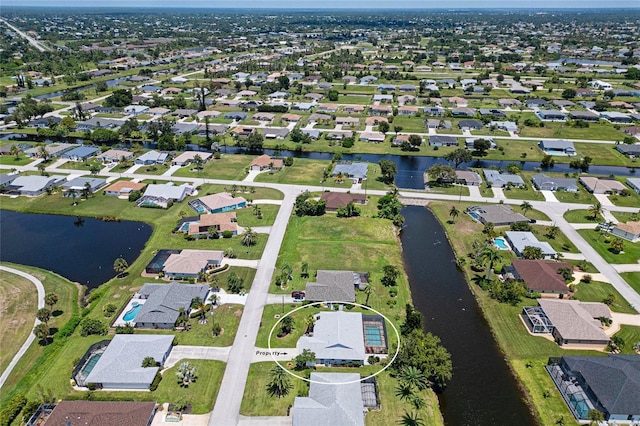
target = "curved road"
x: 32, y: 337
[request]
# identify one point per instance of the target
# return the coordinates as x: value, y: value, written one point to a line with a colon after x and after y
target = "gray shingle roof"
x: 121, y: 362
x: 332, y: 286
x: 329, y: 404
x: 572, y: 321
x: 353, y: 170
x: 165, y: 300
x: 336, y: 336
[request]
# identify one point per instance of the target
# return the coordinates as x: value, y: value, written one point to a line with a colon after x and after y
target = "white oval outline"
x: 325, y: 303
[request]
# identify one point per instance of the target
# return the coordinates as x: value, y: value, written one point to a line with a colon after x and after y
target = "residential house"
x: 375, y: 137
x: 95, y: 412
x: 539, y: 276
x: 386, y: 87
x: 500, y: 180
x: 337, y: 339
x: 383, y: 99
x: 81, y: 153
x: 551, y: 115
x: 152, y: 157
x: 616, y: 117
x: 236, y: 115
x: 547, y: 183
x: 33, y: 185
x: 468, y: 177
x: 498, y: 214
x: 334, y: 399
x: 536, y: 103
x: 243, y: 131
x: 441, y: 140
x: 53, y: 150
x: 629, y: 150
x: 576, y: 323
x: 608, y: 384
x: 135, y: 110
x: 185, y: 112
x: 158, y: 111
x: 221, y: 222
x: 408, y: 111
x: 348, y: 121
x: 327, y: 108
x: 352, y: 170
x: 75, y: 186
x: 188, y: 157
x: 334, y: 200
x: 333, y: 286
x: 470, y: 125
x: 470, y: 143
x: 492, y: 112
x: 434, y: 111
x: 302, y: 106
x: 601, y: 185
x: 216, y: 203
x: 291, y: 118
x: 164, y: 195
x: 123, y: 188
x: 629, y: 231
x: 519, y: 240
x: 509, y: 102
x: 353, y: 109
x: 6, y: 179
x: 191, y: 263
x: 266, y: 162
x: 463, y: 112
x: 120, y: 365
x: 584, y: 116
x: 557, y: 147
x: 381, y: 110
x: 265, y: 117
x: 634, y: 183
x: 44, y: 122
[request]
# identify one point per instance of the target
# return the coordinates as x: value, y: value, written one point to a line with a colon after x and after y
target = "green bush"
x: 30, y: 408
x: 68, y: 329
x: 12, y: 409
x: 90, y: 326
x: 156, y: 381
x: 227, y: 234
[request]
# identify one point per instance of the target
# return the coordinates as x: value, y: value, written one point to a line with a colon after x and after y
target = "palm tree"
x: 552, y: 231
x: 491, y: 256
x: 617, y: 245
x: 214, y: 299
x: 15, y: 151
x: 413, y: 377
x: 186, y: 374
x: 368, y: 290
x: 454, y: 213
x: 51, y: 299
x: 249, y: 238
x: 526, y: 206
x: 41, y: 331
x: 411, y: 419
x: 199, y: 304
x: 596, y: 210
x: 286, y: 325
x: 120, y: 265
x: 304, y: 270
x: 404, y: 391
x: 43, y: 315
x: 286, y: 270
x: 279, y: 384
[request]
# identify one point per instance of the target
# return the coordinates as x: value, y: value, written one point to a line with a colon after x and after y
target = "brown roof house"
x: 101, y: 413
x: 266, y: 162
x: 225, y: 221
x: 539, y: 276
x: 123, y: 188
x: 629, y: 231
x: 341, y: 199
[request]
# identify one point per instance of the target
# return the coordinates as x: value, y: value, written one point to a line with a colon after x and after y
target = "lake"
x: 80, y: 249
x: 482, y: 392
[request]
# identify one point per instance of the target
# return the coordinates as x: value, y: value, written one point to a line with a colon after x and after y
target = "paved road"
x: 22, y: 34
x: 226, y: 411
x: 31, y: 337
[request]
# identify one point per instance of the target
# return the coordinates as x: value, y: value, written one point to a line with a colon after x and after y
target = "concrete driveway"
x: 265, y: 421
x: 180, y: 352
x: 549, y: 196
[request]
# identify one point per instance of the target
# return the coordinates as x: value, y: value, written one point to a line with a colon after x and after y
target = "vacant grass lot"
x: 633, y: 279
x: 304, y: 172
x: 631, y: 336
x: 246, y: 217
x: 596, y: 291
x: 559, y: 243
x: 631, y: 252
x: 632, y: 200
x: 582, y: 216
x: 525, y: 193
x: 19, y: 302
x: 596, y: 131
x: 526, y: 354
x: 229, y: 166
x: 10, y: 160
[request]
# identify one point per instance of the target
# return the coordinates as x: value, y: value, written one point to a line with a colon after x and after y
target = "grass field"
x: 524, y: 193
x: 19, y: 302
x: 597, y: 131
x: 247, y: 218
x: 559, y: 243
x: 10, y: 160
x: 631, y: 337
x: 633, y: 279
x: 582, y: 216
x: 596, y: 291
x: 631, y: 252
x: 229, y: 166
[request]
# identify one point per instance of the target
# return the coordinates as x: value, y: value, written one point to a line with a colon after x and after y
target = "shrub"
x: 90, y: 326
x: 12, y: 409
x: 135, y: 195
x: 109, y: 309
x: 68, y: 329
x: 156, y: 381
x: 30, y: 408
x: 216, y: 329
x: 124, y: 329
x: 227, y: 234
x: 393, y: 291
x: 586, y: 278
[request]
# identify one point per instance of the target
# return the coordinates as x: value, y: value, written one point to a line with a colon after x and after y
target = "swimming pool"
x: 474, y: 215
x: 372, y: 335
x: 501, y: 244
x: 91, y: 362
x: 131, y: 313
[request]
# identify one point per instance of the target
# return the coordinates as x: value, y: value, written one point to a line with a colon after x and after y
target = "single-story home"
x: 6, y: 179
x: 629, y: 231
x: 77, y: 185
x: 334, y: 399
x: 375, y: 137
x: 441, y: 140
x: 334, y: 200
x: 500, y: 180
x: 498, y: 214
x: 470, y: 125
x: 470, y: 143
x: 33, y: 185
x: 275, y: 132
x: 163, y: 195
x: 380, y: 110
x: 508, y: 126
x: 608, y: 384
x: 152, y: 157
x: 551, y: 115
x: 519, y: 240
x: 243, y: 131
x: 557, y: 147
x: 185, y: 112
x: 584, y: 116
x: 547, y: 183
x: 236, y: 115
x: 81, y: 153
x: 540, y: 276
x: 468, y: 177
x: 353, y: 109
x: 266, y: 162
x: 216, y: 203
x: 188, y: 157
x: 337, y: 286
x: 463, y: 112
x: 190, y: 263
x: 602, y: 186
x: 575, y: 322
x: 163, y: 302
x: 114, y: 155
x: 95, y: 412
x: 629, y: 150
x: 123, y: 188
x: 291, y: 118
x: 221, y: 222
x: 352, y: 170
x: 53, y: 150
x: 337, y: 339
x: 616, y: 117
x: 136, y: 109
x: 120, y: 366
x: 634, y: 183
x: 348, y: 121
x: 536, y: 103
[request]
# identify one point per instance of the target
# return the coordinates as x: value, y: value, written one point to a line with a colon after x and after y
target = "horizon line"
x: 281, y: 8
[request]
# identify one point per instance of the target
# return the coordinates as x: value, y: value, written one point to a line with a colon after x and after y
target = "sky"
x: 336, y: 4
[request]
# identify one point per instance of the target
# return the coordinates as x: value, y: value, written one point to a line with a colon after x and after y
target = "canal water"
x: 482, y: 392
x: 80, y: 249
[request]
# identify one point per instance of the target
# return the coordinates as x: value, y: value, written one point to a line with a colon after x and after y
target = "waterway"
x: 482, y: 392
x: 80, y: 249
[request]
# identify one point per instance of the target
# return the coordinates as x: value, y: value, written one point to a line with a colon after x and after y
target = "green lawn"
x: 303, y: 172
x: 82, y: 165
x: 631, y: 337
x: 582, y: 216
x: 10, y: 160
x: 631, y: 252
x: 598, y: 131
x: 625, y: 216
x: 246, y: 216
x: 596, y: 291
x: 559, y: 243
x: 229, y: 166
x: 269, y: 319
x: 524, y: 193
x: 447, y: 189
x: 580, y: 197
x: 633, y: 279
x: 632, y: 200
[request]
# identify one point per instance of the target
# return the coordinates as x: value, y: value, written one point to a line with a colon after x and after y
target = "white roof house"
x: 160, y: 195
x: 120, y: 366
x: 33, y: 185
x: 188, y: 156
x: 152, y: 157
x: 337, y: 338
x: 497, y: 179
x: 519, y: 240
x: 189, y: 263
x: 334, y: 399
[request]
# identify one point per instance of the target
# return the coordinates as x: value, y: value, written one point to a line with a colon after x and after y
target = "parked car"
x: 297, y: 295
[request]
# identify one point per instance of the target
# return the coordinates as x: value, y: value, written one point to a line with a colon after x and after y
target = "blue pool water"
x: 373, y: 335
x: 131, y: 313
x: 474, y: 215
x: 501, y: 244
x: 91, y: 362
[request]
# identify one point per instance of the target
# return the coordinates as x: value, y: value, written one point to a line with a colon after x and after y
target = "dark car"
x: 297, y: 294
x: 532, y: 221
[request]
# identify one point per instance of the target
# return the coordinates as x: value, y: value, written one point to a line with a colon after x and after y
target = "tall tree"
x: 120, y: 265
x: 459, y: 156
x: 43, y: 315
x: 51, y: 299
x: 491, y: 256
x: 279, y: 382
x: 41, y: 331
x: 526, y: 206
x: 249, y: 238
x: 454, y: 213
x: 596, y: 210
x: 388, y: 169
